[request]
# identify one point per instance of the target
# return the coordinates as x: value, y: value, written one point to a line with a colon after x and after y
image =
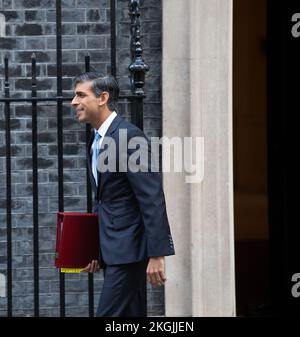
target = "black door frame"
x: 283, y: 70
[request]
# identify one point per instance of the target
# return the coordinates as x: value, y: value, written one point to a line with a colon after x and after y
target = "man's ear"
x: 104, y: 97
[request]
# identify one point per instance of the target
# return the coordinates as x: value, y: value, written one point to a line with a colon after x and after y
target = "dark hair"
x: 101, y: 83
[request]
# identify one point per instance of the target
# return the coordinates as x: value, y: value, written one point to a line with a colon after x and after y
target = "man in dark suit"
x: 134, y: 230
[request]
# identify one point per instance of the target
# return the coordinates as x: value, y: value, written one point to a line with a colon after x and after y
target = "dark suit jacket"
x: 131, y: 207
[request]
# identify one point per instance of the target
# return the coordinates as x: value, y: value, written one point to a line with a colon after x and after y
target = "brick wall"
x: 30, y: 27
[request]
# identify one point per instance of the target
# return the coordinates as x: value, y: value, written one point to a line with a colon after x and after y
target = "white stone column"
x: 197, y: 90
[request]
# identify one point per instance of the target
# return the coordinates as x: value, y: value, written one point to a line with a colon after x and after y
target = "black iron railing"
x: 137, y: 71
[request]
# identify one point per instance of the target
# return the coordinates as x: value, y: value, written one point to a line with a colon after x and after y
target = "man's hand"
x: 92, y: 267
x: 156, y: 271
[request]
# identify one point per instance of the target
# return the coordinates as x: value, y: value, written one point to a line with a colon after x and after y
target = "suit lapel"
x: 112, y: 128
x: 89, y: 163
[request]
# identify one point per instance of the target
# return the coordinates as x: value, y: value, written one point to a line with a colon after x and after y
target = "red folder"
x: 77, y: 239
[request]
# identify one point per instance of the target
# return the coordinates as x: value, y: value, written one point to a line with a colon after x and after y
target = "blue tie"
x: 96, y: 151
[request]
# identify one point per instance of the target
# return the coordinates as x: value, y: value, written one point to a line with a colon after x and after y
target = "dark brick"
x: 74, y: 176
x: 24, y: 137
x: 68, y: 15
x: 73, y: 43
x: 70, y: 163
x: 69, y: 111
x: 39, y: 15
x: 26, y: 163
x: 42, y: 84
x: 69, y: 137
x: 75, y: 203
x: 69, y: 29
x: 33, y: 3
x: 93, y: 3
x: 81, y: 163
x: 18, y: 177
x: 49, y: 29
x: 152, y: 110
x: 97, y: 28
x: 68, y: 42
x: 155, y: 41
x: 68, y: 149
x: 42, y: 151
x: 47, y: 137
x: 17, y: 151
x: 150, y: 3
x: 95, y: 15
x: 2, y: 151
x: 124, y: 83
x: 28, y: 29
x: 96, y: 56
x: 7, y: 4
x: 25, y: 56
x: 48, y: 190
x: 69, y: 56
x: 23, y: 111
x: 23, y: 163
x: 152, y: 55
x: 96, y: 42
x: 47, y: 110
x: 71, y: 124
x: 122, y: 42
x: 52, y: 123
x: 13, y: 16
x: 155, y: 69
x: 18, y: 94
x: 52, y: 150
x: 23, y: 84
x: 9, y: 30
x: 68, y: 3
x: 15, y: 124
x: 41, y: 70
x: 81, y: 136
x: 71, y: 150
x: 152, y: 123
x: 23, y: 190
x: 44, y: 163
x: 122, y: 14
x: 124, y: 29
x: 34, y: 43
x: 124, y: 56
x: 27, y: 3
x: 46, y: 84
x: 14, y: 70
x: 53, y: 177
x: 51, y: 42
x: 42, y: 177
x: 68, y: 70
x: 67, y: 83
x: 153, y: 133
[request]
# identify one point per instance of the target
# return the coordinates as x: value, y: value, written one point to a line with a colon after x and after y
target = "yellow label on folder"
x: 70, y: 270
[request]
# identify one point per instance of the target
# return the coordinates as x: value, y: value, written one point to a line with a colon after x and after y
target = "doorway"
x: 252, y: 257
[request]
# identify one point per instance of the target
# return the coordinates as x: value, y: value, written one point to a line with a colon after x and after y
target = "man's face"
x: 85, y: 102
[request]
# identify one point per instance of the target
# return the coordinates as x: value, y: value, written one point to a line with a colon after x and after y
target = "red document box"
x: 77, y: 239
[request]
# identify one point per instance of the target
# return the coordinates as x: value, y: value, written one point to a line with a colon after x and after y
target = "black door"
x: 283, y: 49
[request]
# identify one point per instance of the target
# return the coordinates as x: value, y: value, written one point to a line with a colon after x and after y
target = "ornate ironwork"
x: 138, y: 67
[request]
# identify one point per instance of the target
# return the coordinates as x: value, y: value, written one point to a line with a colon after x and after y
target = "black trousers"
x: 124, y: 292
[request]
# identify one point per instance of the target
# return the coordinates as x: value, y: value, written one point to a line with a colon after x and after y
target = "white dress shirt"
x: 102, y: 131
